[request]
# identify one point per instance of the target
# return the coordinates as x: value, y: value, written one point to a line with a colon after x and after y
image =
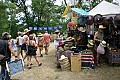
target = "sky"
x: 57, y: 2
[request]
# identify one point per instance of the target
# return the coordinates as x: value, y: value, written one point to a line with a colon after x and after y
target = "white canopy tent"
x: 105, y: 8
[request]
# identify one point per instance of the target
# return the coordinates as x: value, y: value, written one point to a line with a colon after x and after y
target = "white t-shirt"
x: 20, y: 40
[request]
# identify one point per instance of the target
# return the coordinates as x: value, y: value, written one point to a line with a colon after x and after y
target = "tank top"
x: 20, y: 40
x: 100, y: 36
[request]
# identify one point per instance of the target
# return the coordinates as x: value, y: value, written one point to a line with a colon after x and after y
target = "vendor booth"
x: 79, y: 46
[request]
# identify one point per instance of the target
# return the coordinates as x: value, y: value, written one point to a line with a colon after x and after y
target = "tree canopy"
x: 15, y: 15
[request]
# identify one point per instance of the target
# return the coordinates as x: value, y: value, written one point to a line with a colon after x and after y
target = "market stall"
x: 81, y: 29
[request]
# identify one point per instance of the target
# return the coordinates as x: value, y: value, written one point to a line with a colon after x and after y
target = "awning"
x: 80, y: 11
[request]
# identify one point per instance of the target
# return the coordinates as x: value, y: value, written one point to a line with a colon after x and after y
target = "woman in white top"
x: 57, y: 39
x: 19, y: 42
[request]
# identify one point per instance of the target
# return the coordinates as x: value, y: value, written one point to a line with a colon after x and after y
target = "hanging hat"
x: 81, y: 29
x: 26, y: 31
x: 98, y: 18
x: 40, y: 34
x: 62, y: 57
x: 103, y: 43
x: 91, y: 43
x: 57, y: 31
x: 101, y: 27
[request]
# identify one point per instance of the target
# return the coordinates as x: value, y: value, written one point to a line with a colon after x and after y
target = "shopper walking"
x: 40, y: 43
x: 6, y: 50
x: 32, y: 47
x: 19, y: 42
x: 47, y: 39
x: 25, y: 43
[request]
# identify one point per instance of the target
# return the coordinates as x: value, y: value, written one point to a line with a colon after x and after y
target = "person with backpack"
x: 6, y: 50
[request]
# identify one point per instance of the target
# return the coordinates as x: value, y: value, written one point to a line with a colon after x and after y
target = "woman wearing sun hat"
x: 25, y: 42
x: 40, y: 43
x: 99, y: 35
x: 57, y: 39
x: 98, y: 38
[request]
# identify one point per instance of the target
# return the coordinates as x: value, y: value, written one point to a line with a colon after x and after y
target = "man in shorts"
x: 47, y: 39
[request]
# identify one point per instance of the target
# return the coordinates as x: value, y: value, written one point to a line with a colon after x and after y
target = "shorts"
x: 23, y: 47
x: 18, y: 49
x: 40, y: 45
x: 46, y: 44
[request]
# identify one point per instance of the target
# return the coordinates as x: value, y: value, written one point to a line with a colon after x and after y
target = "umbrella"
x: 80, y: 11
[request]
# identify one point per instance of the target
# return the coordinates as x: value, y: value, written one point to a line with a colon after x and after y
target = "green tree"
x: 3, y: 16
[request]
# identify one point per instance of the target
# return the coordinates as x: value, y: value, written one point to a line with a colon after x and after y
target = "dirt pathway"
x: 48, y: 71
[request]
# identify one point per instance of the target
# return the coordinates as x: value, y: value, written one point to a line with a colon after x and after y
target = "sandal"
x: 40, y: 64
x: 98, y: 64
x: 30, y: 64
x: 29, y: 67
x: 41, y: 55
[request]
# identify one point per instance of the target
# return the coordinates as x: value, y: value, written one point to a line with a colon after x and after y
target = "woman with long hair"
x: 32, y: 47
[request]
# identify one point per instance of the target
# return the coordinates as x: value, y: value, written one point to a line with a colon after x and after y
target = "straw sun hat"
x: 91, y: 43
x: 57, y: 31
x: 101, y: 27
x: 62, y: 57
x: 40, y: 34
x: 81, y: 29
x: 103, y: 43
x: 26, y: 31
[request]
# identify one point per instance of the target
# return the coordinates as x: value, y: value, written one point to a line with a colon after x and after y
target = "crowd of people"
x: 24, y: 46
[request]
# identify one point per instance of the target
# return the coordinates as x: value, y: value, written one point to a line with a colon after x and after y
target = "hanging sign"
x: 30, y: 28
x: 45, y: 28
x: 60, y: 26
x: 35, y: 28
x: 40, y: 28
x: 55, y: 28
x: 49, y: 28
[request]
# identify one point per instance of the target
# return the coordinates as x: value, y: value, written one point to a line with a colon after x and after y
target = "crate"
x: 76, y: 63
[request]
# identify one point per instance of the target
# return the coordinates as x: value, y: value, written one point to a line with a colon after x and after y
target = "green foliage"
x: 91, y: 4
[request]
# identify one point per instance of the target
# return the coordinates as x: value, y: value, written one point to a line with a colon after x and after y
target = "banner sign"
x: 55, y: 27
x: 49, y: 28
x: 30, y: 28
x: 15, y: 66
x: 40, y: 28
x: 45, y: 28
x: 60, y: 26
x: 35, y: 28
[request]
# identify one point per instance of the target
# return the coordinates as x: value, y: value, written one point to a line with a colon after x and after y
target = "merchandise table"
x: 113, y: 56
